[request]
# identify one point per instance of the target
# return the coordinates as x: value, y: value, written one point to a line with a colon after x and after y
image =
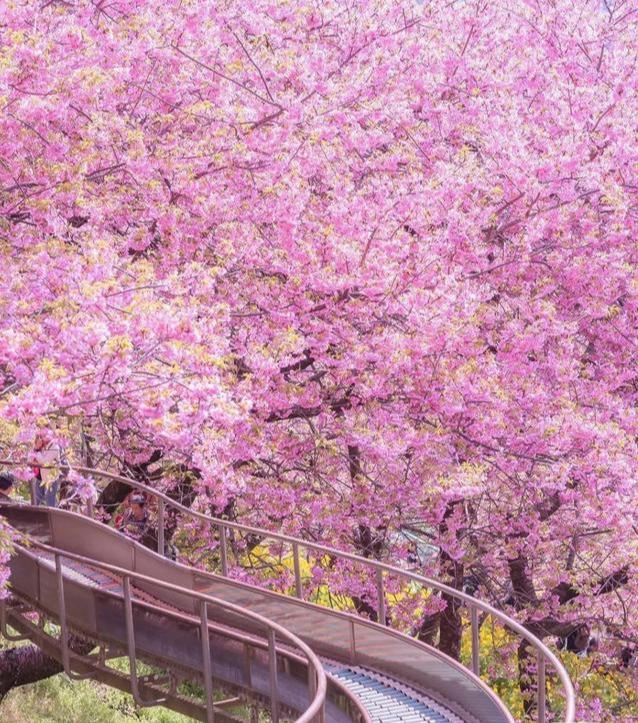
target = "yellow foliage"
x: 51, y: 370
x: 118, y: 344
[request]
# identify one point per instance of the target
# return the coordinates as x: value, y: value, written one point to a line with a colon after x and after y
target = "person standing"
x: 134, y: 523
x: 46, y: 473
x: 7, y: 482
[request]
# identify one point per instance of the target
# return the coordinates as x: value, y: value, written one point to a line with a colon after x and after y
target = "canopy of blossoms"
x: 361, y: 265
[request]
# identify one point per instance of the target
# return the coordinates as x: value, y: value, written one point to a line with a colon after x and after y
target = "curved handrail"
x: 543, y: 652
x: 314, y: 664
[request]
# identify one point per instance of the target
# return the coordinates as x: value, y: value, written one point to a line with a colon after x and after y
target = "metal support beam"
x: 247, y: 657
x: 207, y: 667
x: 476, y: 651
x: 223, y: 549
x: 312, y: 691
x: 160, y: 526
x: 272, y: 669
x: 353, y: 643
x: 380, y: 597
x: 64, y: 630
x: 130, y: 639
x: 295, y: 559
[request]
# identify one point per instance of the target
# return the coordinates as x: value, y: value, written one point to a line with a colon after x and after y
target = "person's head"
x: 39, y: 442
x: 7, y: 480
x: 137, y: 502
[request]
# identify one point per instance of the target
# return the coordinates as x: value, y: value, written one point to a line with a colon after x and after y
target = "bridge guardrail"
x: 544, y: 655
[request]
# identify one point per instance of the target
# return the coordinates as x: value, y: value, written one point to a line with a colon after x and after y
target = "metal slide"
x: 295, y: 659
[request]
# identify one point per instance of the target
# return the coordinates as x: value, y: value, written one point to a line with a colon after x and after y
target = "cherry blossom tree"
x: 357, y: 267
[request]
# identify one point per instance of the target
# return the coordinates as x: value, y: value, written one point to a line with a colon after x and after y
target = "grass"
x: 58, y: 700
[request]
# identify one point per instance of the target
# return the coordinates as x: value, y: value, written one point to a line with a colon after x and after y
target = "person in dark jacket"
x: 7, y: 482
x: 134, y: 522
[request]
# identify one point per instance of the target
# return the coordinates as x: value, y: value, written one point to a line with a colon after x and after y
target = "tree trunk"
x: 450, y: 623
x: 527, y: 680
x: 428, y: 628
x: 27, y: 664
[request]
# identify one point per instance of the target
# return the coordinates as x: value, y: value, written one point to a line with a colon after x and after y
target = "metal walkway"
x: 386, y: 703
x: 262, y: 649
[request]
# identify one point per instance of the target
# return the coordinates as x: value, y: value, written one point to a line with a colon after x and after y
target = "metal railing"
x: 317, y: 683
x: 378, y: 571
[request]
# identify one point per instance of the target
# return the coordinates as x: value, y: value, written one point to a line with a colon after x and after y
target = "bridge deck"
x: 375, y: 673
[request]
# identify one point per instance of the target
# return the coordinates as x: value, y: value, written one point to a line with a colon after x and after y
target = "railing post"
x: 312, y: 691
x: 160, y: 526
x: 64, y: 632
x: 224, y: 549
x: 380, y: 597
x: 247, y: 665
x: 64, y: 628
x: 130, y: 640
x: 295, y: 559
x: 542, y: 693
x: 353, y: 643
x: 474, y: 618
x: 130, y: 636
x: 208, y: 672
x: 272, y: 669
x: 312, y: 683
x: 89, y: 508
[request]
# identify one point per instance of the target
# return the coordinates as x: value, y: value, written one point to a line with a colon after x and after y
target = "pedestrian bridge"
x: 249, y: 650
